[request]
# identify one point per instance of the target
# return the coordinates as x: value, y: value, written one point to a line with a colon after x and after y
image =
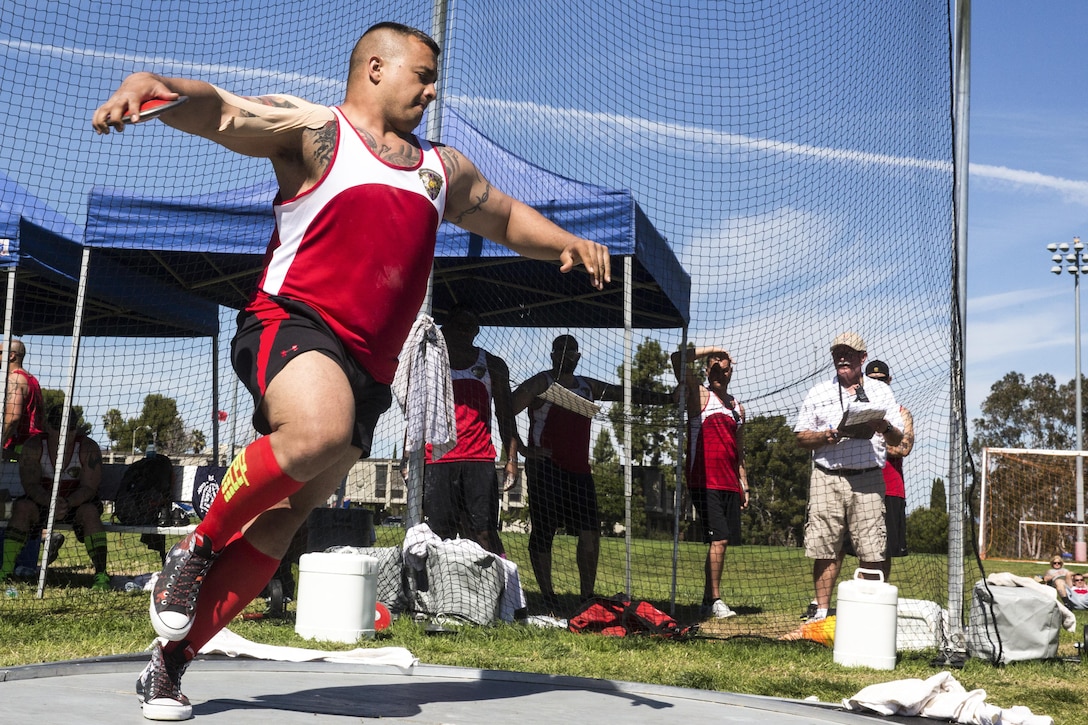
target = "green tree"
x: 158, y: 421
x: 197, y: 441
x: 608, y: 478
x: 927, y: 531
x: 778, y: 473
x: 603, y: 450
x: 937, y: 498
x: 1027, y: 414
x: 114, y: 423
x: 51, y: 397
x: 653, y: 426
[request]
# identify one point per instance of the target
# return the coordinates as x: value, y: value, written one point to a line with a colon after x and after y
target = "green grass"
x: 74, y: 623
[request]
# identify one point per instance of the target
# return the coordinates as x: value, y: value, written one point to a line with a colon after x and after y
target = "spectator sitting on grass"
x: 1076, y: 595
x: 1057, y: 575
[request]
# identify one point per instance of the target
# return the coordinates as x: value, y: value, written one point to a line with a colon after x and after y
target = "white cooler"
x: 336, y: 597
x: 865, y: 622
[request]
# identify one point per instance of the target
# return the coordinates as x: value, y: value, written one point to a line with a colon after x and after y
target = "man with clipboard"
x: 838, y: 422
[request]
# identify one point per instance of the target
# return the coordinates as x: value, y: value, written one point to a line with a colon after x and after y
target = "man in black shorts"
x: 461, y: 490
x: 716, y: 475
x: 895, y: 492
x: 557, y: 470
x: 359, y: 204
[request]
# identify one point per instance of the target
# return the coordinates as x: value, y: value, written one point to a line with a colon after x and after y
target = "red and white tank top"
x: 472, y: 404
x: 69, y: 477
x: 713, y: 455
x: 562, y: 431
x: 33, y: 421
x: 358, y: 247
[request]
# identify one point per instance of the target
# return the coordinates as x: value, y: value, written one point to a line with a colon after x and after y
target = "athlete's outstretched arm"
x: 265, y: 126
x: 474, y: 204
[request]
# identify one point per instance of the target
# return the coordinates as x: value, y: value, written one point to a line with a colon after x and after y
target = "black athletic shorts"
x: 560, y: 498
x: 460, y: 492
x: 895, y: 519
x: 720, y: 513
x: 264, y: 344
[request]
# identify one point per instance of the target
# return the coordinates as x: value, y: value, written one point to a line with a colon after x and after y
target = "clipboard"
x: 857, y: 417
x: 568, y: 400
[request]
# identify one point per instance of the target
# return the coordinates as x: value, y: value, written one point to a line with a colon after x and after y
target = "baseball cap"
x: 878, y: 368
x: 851, y: 339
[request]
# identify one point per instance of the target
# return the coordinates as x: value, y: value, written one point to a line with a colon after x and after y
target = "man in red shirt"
x: 558, y: 476
x: 717, y: 479
x: 895, y: 492
x: 461, y: 490
x: 24, y: 410
x: 360, y: 201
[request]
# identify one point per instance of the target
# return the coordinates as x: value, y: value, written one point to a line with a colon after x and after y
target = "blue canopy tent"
x: 52, y: 286
x: 212, y: 245
x: 43, y: 252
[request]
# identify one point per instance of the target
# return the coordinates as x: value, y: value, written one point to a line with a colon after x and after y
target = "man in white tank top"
x: 319, y: 358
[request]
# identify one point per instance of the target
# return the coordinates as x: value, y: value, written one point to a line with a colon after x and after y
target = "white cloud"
x: 1071, y: 190
x: 171, y: 66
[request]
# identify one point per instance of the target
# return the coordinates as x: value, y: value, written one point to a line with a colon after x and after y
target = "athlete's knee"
x: 304, y: 450
x: 540, y: 542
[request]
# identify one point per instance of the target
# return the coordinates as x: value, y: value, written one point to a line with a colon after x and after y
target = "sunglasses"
x: 1078, y: 580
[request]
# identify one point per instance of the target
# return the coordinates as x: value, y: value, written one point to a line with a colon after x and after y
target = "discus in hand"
x: 153, y: 109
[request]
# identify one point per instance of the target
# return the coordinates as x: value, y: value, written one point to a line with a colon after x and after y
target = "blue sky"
x: 1028, y: 187
x: 1027, y: 183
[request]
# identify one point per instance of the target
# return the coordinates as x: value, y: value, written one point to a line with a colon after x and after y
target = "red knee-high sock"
x: 252, y: 484
x: 235, y: 579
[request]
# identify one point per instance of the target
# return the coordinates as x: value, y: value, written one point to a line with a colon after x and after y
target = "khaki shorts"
x: 836, y: 502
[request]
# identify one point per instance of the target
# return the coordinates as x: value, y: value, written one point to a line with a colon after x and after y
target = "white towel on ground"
x: 424, y: 390
x: 234, y: 645
x: 940, y: 697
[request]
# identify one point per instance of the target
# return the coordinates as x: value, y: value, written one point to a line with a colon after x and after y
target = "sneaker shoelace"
x: 185, y: 581
x: 165, y: 680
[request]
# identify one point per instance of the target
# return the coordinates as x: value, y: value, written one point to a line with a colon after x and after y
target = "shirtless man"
x: 359, y: 205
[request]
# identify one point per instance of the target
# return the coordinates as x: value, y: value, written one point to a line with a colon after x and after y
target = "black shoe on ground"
x: 159, y: 686
x: 810, y: 612
x: 173, y: 600
x: 55, y: 542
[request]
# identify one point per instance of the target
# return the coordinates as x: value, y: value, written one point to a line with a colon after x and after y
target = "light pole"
x: 1076, y: 264
x: 154, y: 433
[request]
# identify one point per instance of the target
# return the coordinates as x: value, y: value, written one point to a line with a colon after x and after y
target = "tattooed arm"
x: 296, y: 135
x: 474, y: 204
x: 250, y: 126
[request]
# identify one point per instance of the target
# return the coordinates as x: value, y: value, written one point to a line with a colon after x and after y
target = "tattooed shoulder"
x: 322, y: 143
x: 451, y: 159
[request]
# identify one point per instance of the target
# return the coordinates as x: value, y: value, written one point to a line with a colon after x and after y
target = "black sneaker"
x: 159, y: 686
x: 810, y: 612
x: 56, y: 540
x: 173, y: 600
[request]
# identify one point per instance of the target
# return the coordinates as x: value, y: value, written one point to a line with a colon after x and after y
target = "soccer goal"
x: 1028, y: 506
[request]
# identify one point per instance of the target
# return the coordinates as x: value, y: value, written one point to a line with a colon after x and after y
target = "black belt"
x: 845, y: 471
